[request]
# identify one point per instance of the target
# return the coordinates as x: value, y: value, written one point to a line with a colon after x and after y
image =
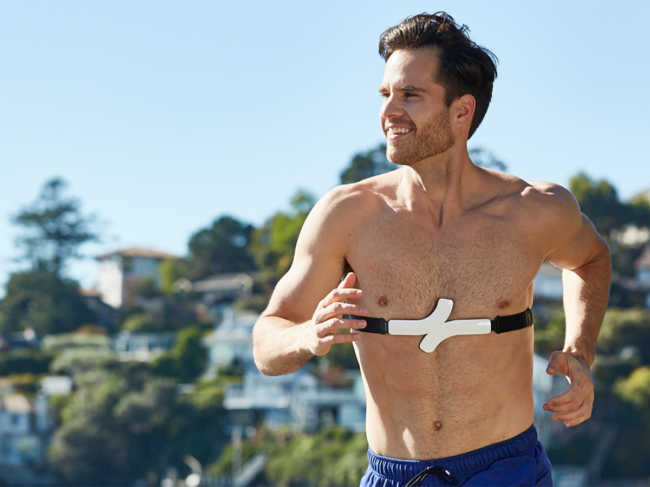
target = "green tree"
x: 221, y: 248
x: 274, y: 244
x: 123, y: 425
x: 77, y: 361
x: 639, y: 211
x: 187, y: 359
x: 367, y: 164
x: 54, y: 228
x: 549, y: 332
x: 171, y: 270
x: 599, y: 201
x: 142, y: 323
x: 332, y: 457
x: 636, y: 388
x: 24, y: 362
x: 44, y: 301
x: 629, y: 328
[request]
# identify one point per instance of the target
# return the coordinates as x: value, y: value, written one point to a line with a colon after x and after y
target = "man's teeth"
x: 395, y: 130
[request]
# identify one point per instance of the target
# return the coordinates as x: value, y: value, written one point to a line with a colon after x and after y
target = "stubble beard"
x: 432, y: 138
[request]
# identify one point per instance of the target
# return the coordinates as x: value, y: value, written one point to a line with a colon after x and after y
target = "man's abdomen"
x: 471, y: 392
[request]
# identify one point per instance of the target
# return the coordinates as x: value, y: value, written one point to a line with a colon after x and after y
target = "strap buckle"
x: 496, y: 325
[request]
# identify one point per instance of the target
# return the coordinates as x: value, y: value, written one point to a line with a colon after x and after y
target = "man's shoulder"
x: 544, y: 206
x: 551, y: 198
x: 360, y: 198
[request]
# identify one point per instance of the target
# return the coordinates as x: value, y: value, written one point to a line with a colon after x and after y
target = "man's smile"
x: 395, y: 133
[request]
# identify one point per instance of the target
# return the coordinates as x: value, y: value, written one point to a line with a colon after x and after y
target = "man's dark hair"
x: 463, y: 66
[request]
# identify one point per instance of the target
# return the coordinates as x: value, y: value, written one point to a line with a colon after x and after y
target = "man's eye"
x: 384, y: 95
x: 409, y: 95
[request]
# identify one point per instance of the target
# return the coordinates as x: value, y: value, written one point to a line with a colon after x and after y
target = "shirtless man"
x: 440, y: 227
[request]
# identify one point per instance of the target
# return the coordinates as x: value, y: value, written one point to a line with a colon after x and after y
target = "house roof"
x: 643, y: 262
x: 15, y: 403
x: 138, y: 252
x: 89, y: 293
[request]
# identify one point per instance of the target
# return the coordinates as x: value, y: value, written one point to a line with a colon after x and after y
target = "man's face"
x: 414, y: 117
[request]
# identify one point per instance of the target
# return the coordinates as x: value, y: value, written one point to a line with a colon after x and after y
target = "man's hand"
x: 323, y: 329
x: 574, y: 406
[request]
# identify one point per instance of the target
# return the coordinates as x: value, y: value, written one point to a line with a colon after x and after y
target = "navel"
x: 437, y: 425
x: 503, y: 304
x: 382, y: 301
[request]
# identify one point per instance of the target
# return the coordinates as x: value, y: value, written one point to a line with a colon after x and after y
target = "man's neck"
x: 443, y: 185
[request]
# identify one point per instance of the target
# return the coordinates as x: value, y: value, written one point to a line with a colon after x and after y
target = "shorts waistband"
x: 459, y: 465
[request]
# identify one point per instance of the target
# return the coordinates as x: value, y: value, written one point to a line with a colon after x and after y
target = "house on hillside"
x: 215, y: 292
x: 20, y: 444
x: 19, y: 340
x: 142, y: 347
x: 123, y: 271
x: 300, y: 400
x: 231, y: 341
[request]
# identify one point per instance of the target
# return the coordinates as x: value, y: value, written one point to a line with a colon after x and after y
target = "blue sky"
x: 164, y: 115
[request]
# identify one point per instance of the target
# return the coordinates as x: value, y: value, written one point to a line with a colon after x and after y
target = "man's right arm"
x: 304, y: 315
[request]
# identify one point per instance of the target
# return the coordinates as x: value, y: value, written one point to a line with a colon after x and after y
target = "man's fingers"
x: 557, y: 363
x: 348, y: 281
x: 565, y: 402
x: 337, y: 309
x: 327, y: 321
x: 341, y: 338
x: 565, y: 398
x: 334, y: 325
x: 340, y: 294
x: 575, y: 416
x: 579, y: 389
x: 572, y: 418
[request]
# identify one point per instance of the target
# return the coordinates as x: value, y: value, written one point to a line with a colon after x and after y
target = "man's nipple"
x: 437, y: 425
x: 503, y: 304
x: 382, y: 301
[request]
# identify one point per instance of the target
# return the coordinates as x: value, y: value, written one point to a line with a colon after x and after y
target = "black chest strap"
x: 501, y: 324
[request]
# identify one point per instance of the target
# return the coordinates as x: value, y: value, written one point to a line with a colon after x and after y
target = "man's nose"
x: 390, y: 108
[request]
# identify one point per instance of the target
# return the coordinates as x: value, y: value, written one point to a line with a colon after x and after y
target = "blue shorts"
x: 519, y: 461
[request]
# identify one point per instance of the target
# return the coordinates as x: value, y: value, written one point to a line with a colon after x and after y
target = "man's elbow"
x: 258, y: 354
x: 263, y: 367
x: 604, y: 255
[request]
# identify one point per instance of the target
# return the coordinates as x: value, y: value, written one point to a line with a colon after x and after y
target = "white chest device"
x: 436, y: 328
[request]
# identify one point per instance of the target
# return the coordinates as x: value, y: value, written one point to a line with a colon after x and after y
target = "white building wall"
x: 109, y: 281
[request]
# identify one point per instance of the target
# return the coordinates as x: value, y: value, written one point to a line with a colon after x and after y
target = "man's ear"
x: 463, y: 110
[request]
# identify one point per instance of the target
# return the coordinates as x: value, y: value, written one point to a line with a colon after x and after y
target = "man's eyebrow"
x: 411, y: 88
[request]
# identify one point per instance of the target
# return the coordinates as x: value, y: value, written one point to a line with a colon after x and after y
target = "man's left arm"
x: 586, y: 269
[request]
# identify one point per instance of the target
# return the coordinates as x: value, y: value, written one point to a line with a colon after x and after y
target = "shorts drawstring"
x: 434, y: 470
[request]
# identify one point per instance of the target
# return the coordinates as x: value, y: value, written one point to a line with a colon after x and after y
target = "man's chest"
x: 404, y: 268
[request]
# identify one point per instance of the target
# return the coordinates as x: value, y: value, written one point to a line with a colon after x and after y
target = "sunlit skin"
x: 439, y: 227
